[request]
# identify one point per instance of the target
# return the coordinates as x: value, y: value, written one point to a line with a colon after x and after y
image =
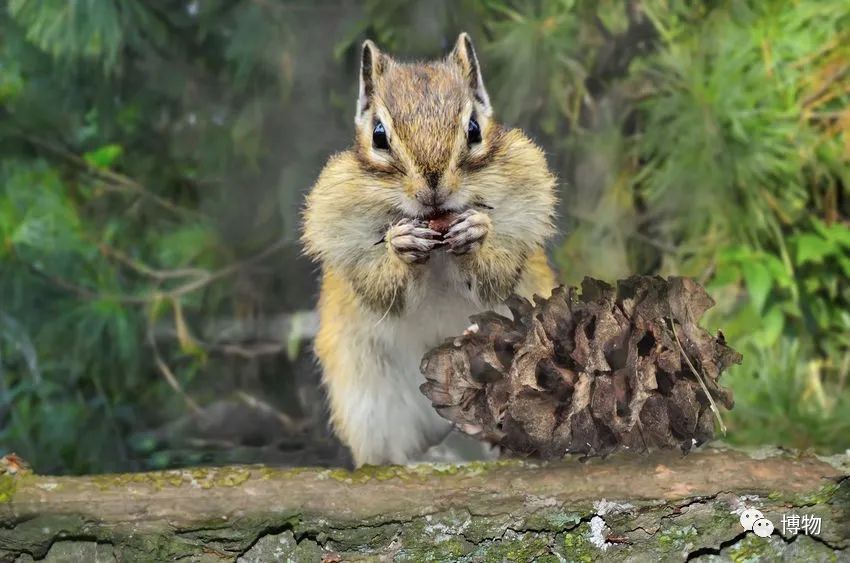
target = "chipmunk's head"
x: 422, y: 128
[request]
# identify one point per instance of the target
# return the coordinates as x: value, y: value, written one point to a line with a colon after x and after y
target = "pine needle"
x: 711, y: 402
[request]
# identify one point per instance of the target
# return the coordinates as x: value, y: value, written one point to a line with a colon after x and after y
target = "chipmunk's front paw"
x: 412, y: 240
x: 468, y: 232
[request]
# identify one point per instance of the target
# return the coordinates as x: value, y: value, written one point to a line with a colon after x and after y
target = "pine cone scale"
x: 586, y: 372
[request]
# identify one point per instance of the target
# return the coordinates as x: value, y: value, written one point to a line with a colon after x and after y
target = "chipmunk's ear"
x: 372, y: 63
x: 464, y: 55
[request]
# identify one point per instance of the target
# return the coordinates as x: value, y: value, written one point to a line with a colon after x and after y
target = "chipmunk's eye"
x: 473, y: 131
x: 379, y: 137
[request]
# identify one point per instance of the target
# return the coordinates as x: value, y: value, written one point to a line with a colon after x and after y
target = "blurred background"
x: 154, y: 307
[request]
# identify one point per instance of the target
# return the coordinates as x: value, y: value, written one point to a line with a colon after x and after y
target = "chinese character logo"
x: 793, y: 524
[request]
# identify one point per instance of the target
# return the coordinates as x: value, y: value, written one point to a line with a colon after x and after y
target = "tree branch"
x: 114, y: 179
x: 662, y: 506
x: 203, y: 279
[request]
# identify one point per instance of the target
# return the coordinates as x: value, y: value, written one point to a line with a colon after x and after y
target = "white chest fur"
x: 437, y: 306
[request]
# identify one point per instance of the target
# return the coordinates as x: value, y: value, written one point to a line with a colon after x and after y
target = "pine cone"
x: 585, y: 373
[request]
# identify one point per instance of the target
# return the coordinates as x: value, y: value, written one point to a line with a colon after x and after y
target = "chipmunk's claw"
x: 468, y: 232
x: 412, y: 240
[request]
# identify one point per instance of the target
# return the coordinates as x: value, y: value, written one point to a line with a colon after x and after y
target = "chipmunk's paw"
x: 468, y: 232
x: 412, y: 240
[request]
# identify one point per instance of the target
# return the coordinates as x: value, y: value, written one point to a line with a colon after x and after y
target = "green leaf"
x: 820, y: 310
x: 839, y: 233
x: 725, y: 274
x: 790, y: 308
x: 812, y: 283
x: 184, y: 245
x: 105, y: 156
x: 781, y: 277
x: 772, y: 324
x: 11, y: 81
x: 736, y: 253
x: 93, y: 30
x: 812, y: 248
x: 36, y: 210
x: 844, y: 262
x: 12, y: 331
x: 759, y: 282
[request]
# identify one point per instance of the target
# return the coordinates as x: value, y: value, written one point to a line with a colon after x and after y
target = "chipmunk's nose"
x: 431, y: 194
x: 428, y: 197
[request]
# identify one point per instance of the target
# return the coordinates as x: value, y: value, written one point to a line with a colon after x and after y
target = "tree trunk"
x: 662, y: 506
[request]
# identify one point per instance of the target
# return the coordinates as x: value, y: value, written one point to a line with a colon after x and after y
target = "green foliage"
x: 153, y: 157
x: 741, y: 147
x: 809, y: 291
x: 97, y: 30
x: 780, y: 395
x: 534, y: 43
x: 103, y: 157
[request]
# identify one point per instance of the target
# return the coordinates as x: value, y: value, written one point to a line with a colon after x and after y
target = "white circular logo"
x: 749, y: 516
x: 762, y: 527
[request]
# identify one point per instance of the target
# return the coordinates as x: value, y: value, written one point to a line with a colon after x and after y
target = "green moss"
x: 439, y: 537
x: 163, y: 547
x: 199, y: 473
x: 37, y: 534
x: 356, y: 537
x: 276, y: 473
x: 481, y: 528
x: 367, y: 473
x: 231, y: 477
x: 523, y: 547
x: 447, y: 550
x: 158, y: 480
x: 8, y: 484
x: 751, y: 548
x: 576, y: 547
x: 554, y: 519
x: 675, y: 536
x: 824, y: 495
x: 282, y: 547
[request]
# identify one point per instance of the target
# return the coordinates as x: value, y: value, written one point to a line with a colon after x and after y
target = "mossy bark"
x: 661, y: 506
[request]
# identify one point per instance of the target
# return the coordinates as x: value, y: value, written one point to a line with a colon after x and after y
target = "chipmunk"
x: 426, y: 148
